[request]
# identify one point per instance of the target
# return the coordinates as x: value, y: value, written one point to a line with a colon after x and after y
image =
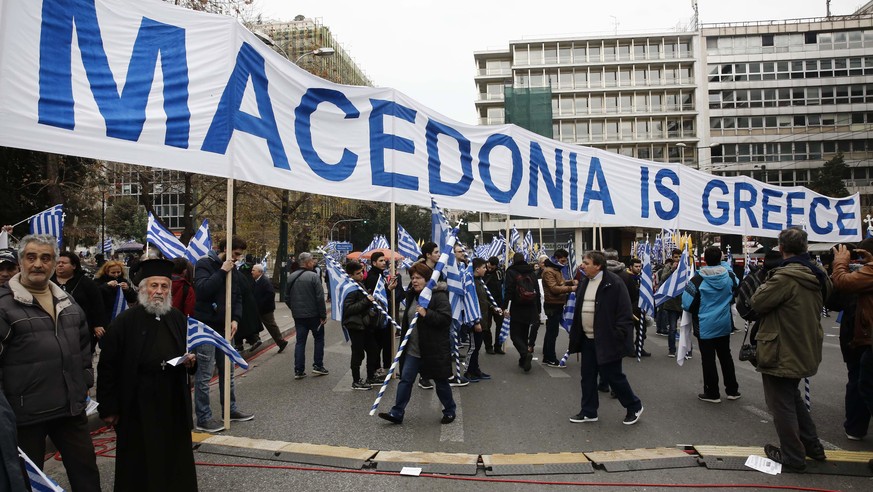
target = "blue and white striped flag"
x: 380, y: 293
x: 49, y: 221
x: 120, y: 304
x: 497, y: 247
x: 340, y: 286
x: 675, y: 283
x: 647, y: 296
x: 374, y: 244
x: 381, y: 242
x: 200, y: 244
x: 199, y: 333
x: 448, y: 250
x: 107, y: 246
x: 730, y: 257
x: 528, y: 246
x: 748, y: 266
x: 439, y: 226
x: 455, y: 284
x: 39, y: 481
x: 569, y: 270
x: 569, y: 311
x: 406, y: 245
x: 166, y: 242
x: 514, y: 240
x: 472, y: 310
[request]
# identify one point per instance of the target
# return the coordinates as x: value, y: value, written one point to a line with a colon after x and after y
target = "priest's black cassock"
x: 151, y: 399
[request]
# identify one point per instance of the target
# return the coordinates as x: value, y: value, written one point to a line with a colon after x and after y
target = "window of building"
x: 536, y: 55
x: 522, y: 55
x: 655, y: 76
x: 550, y: 54
x: 568, y: 131
x: 639, y: 50
x: 597, y: 130
x: 565, y: 79
x: 581, y: 104
x: 566, y: 106
x: 684, y: 49
x: 810, y: 37
x: 627, y: 130
x: 596, y: 104
x: 624, y: 77
x: 582, y: 130
x: 609, y: 78
x: 767, y: 40
x: 641, y: 104
x: 596, y: 78
x: 594, y: 53
x: 626, y: 104
x: 609, y: 52
x: 579, y: 53
x: 612, y: 130
x: 640, y: 76
x: 623, y: 52
x: 611, y: 103
x: 580, y: 78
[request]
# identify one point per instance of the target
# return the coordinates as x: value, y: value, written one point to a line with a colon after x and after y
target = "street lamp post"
x: 282, y: 257
x: 341, y: 221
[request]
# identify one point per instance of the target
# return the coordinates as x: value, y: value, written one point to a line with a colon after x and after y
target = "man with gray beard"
x: 142, y: 388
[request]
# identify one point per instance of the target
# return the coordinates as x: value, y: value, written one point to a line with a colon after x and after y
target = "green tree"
x: 829, y: 179
x: 126, y: 219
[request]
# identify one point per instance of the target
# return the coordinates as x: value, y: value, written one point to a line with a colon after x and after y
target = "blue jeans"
x: 207, y: 359
x: 303, y: 326
x: 554, y: 313
x: 408, y: 373
x: 669, y: 320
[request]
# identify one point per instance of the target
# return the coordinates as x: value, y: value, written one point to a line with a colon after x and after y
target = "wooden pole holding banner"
x: 506, y: 248
x: 391, y: 298
x: 594, y: 238
x: 227, y: 302
x: 600, y: 236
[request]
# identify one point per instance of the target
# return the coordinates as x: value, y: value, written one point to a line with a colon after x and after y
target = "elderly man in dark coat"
x: 142, y: 388
x: 602, y: 331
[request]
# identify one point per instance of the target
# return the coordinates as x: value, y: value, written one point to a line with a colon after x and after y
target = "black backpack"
x: 525, y: 289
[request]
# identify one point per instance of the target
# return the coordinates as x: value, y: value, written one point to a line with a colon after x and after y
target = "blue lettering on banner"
x: 437, y: 186
x: 574, y: 182
x: 813, y: 215
x: 381, y: 141
x: 767, y: 207
x: 124, y: 115
x: 721, y: 205
x: 500, y: 140
x: 338, y: 171
x: 601, y: 193
x: 790, y: 209
x: 746, y: 204
x: 228, y: 117
x: 667, y: 193
x: 644, y: 192
x: 843, y: 215
x: 554, y: 187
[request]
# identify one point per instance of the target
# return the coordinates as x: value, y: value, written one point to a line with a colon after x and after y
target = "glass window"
x: 612, y: 130
x: 655, y: 76
x: 609, y: 78
x: 580, y: 78
x: 624, y: 77
x: 564, y: 54
x: 626, y: 105
x: 640, y: 76
x: 611, y: 104
x: 684, y: 49
x: 568, y: 131
x: 521, y: 55
x: 596, y: 78
x: 536, y: 55
x: 537, y: 79
x: 596, y: 103
x: 565, y: 79
x: 596, y: 130
x: 641, y: 104
x: 594, y: 53
x: 581, y: 104
x: 582, y: 130
x: 609, y: 52
x: 579, y: 53
x: 715, y: 123
x: 551, y: 54
x: 654, y: 50
x: 639, y: 51
x: 627, y: 130
x: 655, y: 102
x: 566, y: 106
x: 670, y: 50
x: 624, y: 52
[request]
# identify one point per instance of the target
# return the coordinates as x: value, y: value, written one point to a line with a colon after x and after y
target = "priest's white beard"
x: 158, y: 307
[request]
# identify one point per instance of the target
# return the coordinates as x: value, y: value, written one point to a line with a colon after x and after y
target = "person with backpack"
x: 708, y: 297
x: 522, y: 294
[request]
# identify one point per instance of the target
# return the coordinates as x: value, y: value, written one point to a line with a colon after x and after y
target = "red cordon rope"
x: 526, y: 482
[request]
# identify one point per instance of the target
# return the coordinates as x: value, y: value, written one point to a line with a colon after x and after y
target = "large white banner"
x: 149, y: 83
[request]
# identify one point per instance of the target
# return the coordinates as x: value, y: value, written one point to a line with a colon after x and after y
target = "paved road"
x: 516, y: 412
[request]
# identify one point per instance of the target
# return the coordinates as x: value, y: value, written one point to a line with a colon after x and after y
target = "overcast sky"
x: 425, y: 48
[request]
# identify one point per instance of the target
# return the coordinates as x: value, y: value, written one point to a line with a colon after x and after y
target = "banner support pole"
x: 227, y: 301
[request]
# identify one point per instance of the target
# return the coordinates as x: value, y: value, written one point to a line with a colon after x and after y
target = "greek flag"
x: 528, y: 246
x: 455, y: 284
x: 497, y: 247
x: 380, y: 292
x: 49, y: 221
x: 107, y: 246
x: 378, y: 242
x: 730, y: 257
x: 647, y: 297
x: 439, y: 226
x: 472, y: 311
x: 120, y: 305
x: 569, y: 310
x: 675, y: 283
x: 200, y: 244
x: 569, y: 270
x: 406, y: 245
x: 166, y: 242
x: 514, y: 240
x: 199, y: 333
x: 39, y: 481
x: 447, y: 251
x: 340, y: 285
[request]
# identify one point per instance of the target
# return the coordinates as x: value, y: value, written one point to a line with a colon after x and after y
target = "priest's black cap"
x: 154, y: 268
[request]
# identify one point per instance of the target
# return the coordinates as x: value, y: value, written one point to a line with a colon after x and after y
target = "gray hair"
x: 39, y: 239
x: 304, y: 257
x: 793, y: 241
x: 610, y: 254
x: 258, y: 267
x: 143, y: 297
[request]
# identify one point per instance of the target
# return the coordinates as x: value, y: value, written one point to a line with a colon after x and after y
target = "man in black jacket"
x: 494, y: 277
x: 210, y: 282
x: 45, y: 363
x: 604, y: 335
x: 523, y: 296
x: 265, y: 296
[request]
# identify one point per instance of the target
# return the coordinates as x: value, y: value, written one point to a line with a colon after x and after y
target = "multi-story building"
x: 771, y: 99
x: 783, y: 97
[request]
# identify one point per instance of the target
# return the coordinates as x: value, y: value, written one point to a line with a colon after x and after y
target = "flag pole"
x: 227, y: 301
x: 506, y: 247
x: 392, y: 298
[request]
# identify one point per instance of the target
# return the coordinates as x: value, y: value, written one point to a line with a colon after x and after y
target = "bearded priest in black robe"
x: 142, y: 389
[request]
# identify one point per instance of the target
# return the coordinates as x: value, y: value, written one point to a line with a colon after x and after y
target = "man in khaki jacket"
x: 789, y: 347
x: 556, y: 290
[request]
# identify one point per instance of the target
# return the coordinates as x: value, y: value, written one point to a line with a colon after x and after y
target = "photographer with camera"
x: 743, y: 302
x: 858, y: 353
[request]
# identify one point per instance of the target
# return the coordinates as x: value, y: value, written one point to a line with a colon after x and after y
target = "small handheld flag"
x: 163, y: 239
x: 199, y: 333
